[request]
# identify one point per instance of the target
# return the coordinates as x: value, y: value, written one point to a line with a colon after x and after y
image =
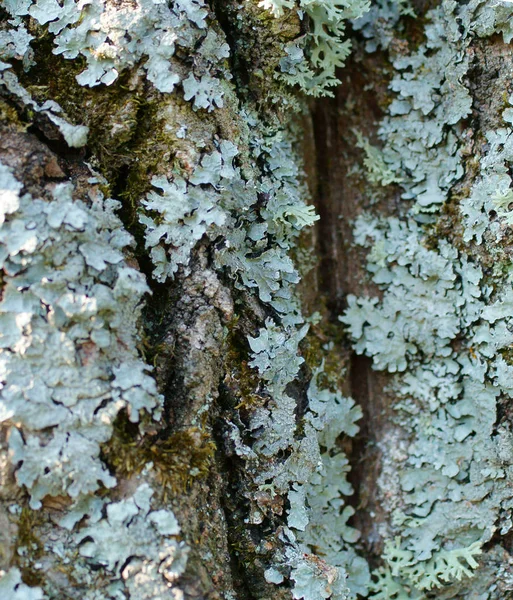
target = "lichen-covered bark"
x: 207, y: 389
x: 406, y: 496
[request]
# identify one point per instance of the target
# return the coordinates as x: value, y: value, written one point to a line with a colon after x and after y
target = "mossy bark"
x: 196, y: 327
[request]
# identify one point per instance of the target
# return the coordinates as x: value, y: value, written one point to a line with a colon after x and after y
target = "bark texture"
x: 207, y: 392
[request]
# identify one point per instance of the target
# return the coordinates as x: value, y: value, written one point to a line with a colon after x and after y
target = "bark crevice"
x: 340, y: 196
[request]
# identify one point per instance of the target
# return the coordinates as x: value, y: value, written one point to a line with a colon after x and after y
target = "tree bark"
x: 169, y: 427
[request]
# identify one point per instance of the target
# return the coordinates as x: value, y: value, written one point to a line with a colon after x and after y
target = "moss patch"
x: 178, y: 459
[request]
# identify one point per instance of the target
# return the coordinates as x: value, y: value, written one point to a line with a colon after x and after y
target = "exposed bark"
x: 197, y: 325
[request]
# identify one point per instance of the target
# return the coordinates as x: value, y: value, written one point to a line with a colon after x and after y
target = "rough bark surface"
x: 230, y: 421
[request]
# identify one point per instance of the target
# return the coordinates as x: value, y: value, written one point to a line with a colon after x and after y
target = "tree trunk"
x: 208, y: 388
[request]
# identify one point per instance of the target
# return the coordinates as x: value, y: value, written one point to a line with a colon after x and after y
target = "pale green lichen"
x: 69, y: 313
x: 442, y: 320
x: 445, y: 567
x: 377, y: 171
x: 312, y: 62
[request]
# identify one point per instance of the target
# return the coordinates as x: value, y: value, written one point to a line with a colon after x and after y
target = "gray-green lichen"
x: 333, y: 569
x: 311, y: 63
x: 12, y: 587
x: 380, y: 23
x: 69, y: 314
x: 137, y: 544
x: 443, y: 322
x: 71, y: 305
x: 112, y: 38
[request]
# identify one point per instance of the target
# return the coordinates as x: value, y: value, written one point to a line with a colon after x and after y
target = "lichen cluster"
x: 69, y: 363
x: 311, y: 62
x: 443, y: 322
x: 69, y: 360
x: 71, y: 306
x: 71, y: 366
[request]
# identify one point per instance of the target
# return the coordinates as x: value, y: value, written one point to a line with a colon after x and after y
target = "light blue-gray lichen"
x: 454, y: 478
x: 69, y: 364
x: 429, y: 296
x: 15, y: 44
x: 492, y: 191
x: 311, y: 63
x: 137, y: 544
x: 115, y: 38
x: 71, y: 303
x: 259, y: 221
x: 332, y: 415
x: 68, y: 318
x: 112, y: 38
x: 136, y: 547
x: 12, y: 587
x: 379, y: 24
x: 318, y: 554
x: 257, y: 253
x: 420, y: 147
x: 69, y: 361
x: 274, y: 355
x: 441, y: 324
x: 187, y: 210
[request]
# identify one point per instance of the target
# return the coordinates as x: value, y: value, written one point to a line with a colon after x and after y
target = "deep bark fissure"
x: 339, y: 198
x: 222, y: 10
x: 234, y: 509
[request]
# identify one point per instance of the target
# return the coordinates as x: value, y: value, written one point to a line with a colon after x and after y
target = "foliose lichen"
x: 380, y: 23
x: 13, y: 588
x: 443, y: 322
x: 311, y: 63
x: 71, y: 304
x: 69, y: 329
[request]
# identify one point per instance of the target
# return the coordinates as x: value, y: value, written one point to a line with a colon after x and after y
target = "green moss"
x: 321, y: 336
x: 112, y: 113
x: 9, y: 117
x: 28, y: 546
x: 179, y: 458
